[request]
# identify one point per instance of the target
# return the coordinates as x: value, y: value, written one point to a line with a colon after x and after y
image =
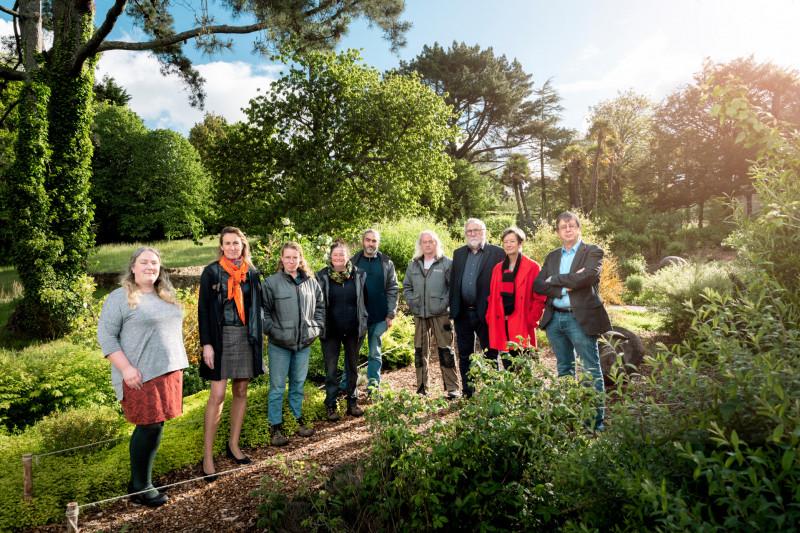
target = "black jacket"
x: 584, y: 296
x: 324, y: 280
x: 210, y: 319
x: 489, y: 258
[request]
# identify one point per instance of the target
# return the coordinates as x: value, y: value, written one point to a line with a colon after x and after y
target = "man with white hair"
x: 427, y: 291
x: 469, y: 295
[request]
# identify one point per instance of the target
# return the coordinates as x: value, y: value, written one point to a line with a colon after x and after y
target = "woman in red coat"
x: 514, y: 308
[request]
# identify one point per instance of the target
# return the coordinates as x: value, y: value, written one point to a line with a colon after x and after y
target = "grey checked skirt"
x: 237, y: 354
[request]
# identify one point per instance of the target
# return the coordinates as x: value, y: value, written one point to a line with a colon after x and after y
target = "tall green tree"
x: 489, y: 94
x: 53, y: 153
x: 575, y: 166
x: 548, y: 138
x: 601, y: 133
x: 342, y: 146
x: 516, y: 175
x: 629, y: 117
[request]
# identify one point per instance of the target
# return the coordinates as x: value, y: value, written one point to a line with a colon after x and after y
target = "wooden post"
x: 27, y: 477
x: 72, y: 517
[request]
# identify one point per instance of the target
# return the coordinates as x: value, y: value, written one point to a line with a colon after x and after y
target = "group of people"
x: 495, y: 296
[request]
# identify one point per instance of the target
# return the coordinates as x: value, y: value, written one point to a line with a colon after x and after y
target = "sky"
x: 591, y: 49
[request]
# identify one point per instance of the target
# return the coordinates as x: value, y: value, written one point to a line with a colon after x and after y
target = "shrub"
x: 495, y: 224
x: 77, y: 427
x: 633, y: 286
x: 266, y: 252
x: 677, y: 290
x: 633, y: 264
x: 399, y: 237
x: 41, y: 379
x: 96, y: 474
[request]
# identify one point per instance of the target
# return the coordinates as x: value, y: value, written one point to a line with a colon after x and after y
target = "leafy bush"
x: 96, y: 474
x: 44, y: 378
x: 77, y: 427
x: 633, y: 264
x: 495, y: 224
x: 678, y: 289
x: 266, y: 252
x: 489, y: 461
x: 399, y: 237
x: 633, y: 287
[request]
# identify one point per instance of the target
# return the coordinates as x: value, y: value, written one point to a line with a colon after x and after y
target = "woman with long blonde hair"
x: 140, y: 333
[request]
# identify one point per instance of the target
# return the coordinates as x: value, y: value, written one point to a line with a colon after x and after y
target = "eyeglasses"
x: 474, y: 231
x: 567, y: 226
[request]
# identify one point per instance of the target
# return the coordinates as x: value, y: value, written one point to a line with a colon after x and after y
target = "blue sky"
x: 591, y: 49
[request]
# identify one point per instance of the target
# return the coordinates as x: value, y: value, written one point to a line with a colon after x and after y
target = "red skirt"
x: 158, y: 400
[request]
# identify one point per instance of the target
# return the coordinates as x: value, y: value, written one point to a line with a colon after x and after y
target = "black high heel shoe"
x: 243, y: 461
x: 208, y: 478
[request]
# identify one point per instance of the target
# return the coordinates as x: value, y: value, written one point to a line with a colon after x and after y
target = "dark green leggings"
x: 143, y: 447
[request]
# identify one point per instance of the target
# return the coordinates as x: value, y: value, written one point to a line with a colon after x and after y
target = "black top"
x: 230, y: 315
x: 343, y: 308
x: 377, y: 307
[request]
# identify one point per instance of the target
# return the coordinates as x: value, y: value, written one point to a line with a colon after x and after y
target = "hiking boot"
x: 305, y: 430
x: 278, y: 438
x: 353, y: 409
x: 333, y: 416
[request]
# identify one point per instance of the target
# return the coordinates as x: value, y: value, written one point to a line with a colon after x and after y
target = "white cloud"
x: 162, y: 101
x: 590, y: 51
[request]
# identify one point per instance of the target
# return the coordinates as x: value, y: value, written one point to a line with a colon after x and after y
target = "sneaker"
x: 354, y: 410
x: 304, y: 430
x: 333, y: 416
x: 278, y: 438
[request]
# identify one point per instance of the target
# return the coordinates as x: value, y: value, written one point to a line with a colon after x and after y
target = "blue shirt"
x: 567, y: 256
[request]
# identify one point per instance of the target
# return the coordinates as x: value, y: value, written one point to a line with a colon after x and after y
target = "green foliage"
x: 633, y: 286
x: 331, y: 129
x: 267, y: 251
x: 174, y: 254
x: 490, y: 462
x: 495, y: 224
x: 678, y: 289
x: 399, y: 237
x: 79, y: 426
x: 469, y: 194
x: 108, y: 91
x: 96, y: 473
x: 633, y: 264
x: 166, y: 190
x: 44, y: 378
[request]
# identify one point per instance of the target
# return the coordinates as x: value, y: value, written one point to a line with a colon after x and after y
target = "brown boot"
x: 278, y: 438
x: 353, y: 409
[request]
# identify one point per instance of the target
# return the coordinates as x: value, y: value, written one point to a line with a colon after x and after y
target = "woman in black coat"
x: 229, y: 317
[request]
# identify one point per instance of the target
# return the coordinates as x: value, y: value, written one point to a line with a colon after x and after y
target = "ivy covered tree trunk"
x: 50, y: 183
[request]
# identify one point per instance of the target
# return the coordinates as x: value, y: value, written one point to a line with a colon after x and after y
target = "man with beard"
x: 469, y: 294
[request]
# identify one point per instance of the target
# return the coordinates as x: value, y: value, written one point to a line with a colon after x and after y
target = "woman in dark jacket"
x: 229, y: 316
x: 346, y: 324
x: 294, y: 315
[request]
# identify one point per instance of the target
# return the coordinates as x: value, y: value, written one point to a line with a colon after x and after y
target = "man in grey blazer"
x: 574, y: 316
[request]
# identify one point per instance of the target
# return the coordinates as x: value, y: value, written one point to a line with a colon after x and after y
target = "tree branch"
x: 178, y: 37
x: 12, y: 75
x: 9, y: 11
x: 9, y: 110
x: 91, y: 46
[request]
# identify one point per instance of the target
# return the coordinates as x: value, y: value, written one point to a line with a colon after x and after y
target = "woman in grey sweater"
x: 140, y: 333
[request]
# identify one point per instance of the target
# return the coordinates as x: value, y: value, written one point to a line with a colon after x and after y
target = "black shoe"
x: 153, y: 501
x: 243, y: 461
x: 333, y: 415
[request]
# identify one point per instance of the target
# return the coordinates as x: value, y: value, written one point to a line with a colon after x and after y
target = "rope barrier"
x: 37, y: 455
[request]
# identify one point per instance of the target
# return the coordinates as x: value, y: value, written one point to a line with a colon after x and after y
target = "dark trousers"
x: 330, y: 351
x: 468, y: 325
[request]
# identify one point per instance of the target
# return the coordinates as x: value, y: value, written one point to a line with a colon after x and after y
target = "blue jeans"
x: 566, y: 338
x: 285, y: 363
x: 374, y: 358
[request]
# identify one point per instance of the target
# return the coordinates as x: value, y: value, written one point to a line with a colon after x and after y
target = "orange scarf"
x: 237, y: 276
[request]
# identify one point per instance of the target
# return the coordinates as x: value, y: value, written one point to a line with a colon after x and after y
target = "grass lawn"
x: 637, y: 321
x: 177, y: 253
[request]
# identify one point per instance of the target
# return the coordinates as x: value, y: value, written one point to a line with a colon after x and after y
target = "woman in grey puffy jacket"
x: 294, y: 315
